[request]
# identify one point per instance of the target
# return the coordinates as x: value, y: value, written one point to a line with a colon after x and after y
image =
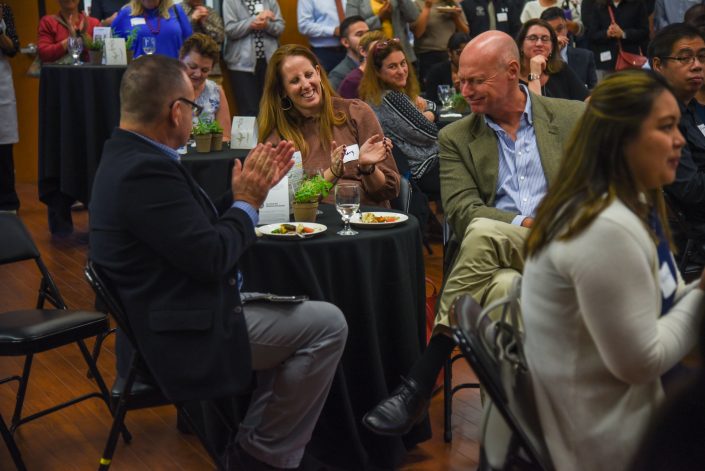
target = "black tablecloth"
x: 78, y: 109
x: 377, y: 279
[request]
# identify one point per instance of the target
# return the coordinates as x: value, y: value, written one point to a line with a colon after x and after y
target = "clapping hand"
x: 374, y: 150
x: 614, y: 31
x: 199, y: 13
x: 336, y: 159
x: 385, y: 11
x: 264, y: 167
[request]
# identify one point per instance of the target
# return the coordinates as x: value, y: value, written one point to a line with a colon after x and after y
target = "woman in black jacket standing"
x: 630, y: 27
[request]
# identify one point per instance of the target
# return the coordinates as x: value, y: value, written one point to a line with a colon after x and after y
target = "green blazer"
x: 469, y: 159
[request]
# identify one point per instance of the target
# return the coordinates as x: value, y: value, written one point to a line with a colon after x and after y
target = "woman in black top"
x: 541, y: 66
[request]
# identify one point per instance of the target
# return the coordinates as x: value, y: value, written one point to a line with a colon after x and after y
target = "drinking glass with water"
x: 347, y: 202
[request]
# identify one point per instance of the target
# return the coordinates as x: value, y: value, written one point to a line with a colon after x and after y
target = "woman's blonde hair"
x: 276, y: 115
x: 595, y: 170
x: 372, y: 86
x: 137, y: 9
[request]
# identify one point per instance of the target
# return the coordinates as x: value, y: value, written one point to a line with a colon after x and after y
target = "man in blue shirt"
x: 319, y: 20
x: 671, y: 11
x: 171, y: 256
x: 496, y: 165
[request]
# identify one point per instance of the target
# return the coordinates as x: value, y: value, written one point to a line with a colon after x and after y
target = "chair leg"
x: 105, y: 394
x: 96, y: 348
x: 21, y: 391
x: 118, y: 419
x: 12, y: 446
x: 447, y: 400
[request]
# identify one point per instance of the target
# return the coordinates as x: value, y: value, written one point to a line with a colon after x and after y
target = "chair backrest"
x: 100, y: 286
x: 494, y: 350
x: 16, y: 243
x: 403, y: 201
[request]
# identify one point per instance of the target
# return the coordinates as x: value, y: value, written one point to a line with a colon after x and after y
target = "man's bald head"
x: 491, y: 47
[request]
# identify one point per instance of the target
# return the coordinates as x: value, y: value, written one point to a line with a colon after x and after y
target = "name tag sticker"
x: 137, y: 21
x: 352, y: 152
x: 668, y: 282
x: 702, y: 128
x: 259, y: 8
x: 502, y: 17
x: 605, y: 56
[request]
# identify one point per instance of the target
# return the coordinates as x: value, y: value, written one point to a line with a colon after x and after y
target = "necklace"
x: 159, y: 23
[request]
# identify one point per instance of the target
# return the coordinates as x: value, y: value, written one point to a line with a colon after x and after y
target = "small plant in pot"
x: 307, y: 196
x: 202, y: 135
x: 216, y: 135
x: 130, y: 43
x: 95, y: 49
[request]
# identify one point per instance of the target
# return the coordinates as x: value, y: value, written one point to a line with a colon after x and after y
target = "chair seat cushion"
x: 37, y: 330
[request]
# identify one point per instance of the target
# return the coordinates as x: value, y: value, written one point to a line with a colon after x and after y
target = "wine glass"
x: 347, y: 202
x: 445, y: 95
x: 149, y: 45
x: 75, y: 47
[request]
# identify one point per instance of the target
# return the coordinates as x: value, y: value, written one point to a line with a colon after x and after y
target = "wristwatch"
x: 534, y: 77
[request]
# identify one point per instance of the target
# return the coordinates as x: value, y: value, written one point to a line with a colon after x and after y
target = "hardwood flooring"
x: 73, y: 439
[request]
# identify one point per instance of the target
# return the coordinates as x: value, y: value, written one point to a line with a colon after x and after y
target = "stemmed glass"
x: 445, y: 94
x: 75, y: 48
x: 347, y: 202
x: 149, y: 45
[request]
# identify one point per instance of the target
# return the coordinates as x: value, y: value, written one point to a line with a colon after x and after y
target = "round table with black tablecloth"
x: 377, y: 279
x: 213, y: 170
x: 78, y: 109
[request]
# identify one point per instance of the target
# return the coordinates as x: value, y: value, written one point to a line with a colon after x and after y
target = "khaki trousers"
x: 491, y: 255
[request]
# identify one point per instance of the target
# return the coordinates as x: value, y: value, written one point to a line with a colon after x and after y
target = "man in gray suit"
x: 496, y: 165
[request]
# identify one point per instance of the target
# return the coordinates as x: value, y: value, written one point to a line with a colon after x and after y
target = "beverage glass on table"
x: 75, y: 46
x: 149, y: 45
x: 445, y: 94
x: 347, y: 202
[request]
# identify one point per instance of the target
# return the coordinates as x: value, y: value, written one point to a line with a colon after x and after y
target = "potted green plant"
x: 130, y: 44
x: 216, y: 135
x: 95, y: 49
x: 202, y: 135
x: 307, y: 196
x: 459, y: 104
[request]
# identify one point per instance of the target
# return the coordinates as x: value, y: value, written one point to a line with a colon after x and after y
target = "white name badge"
x: 352, y: 152
x: 605, y: 56
x: 296, y: 174
x: 702, y: 128
x: 137, y: 21
x: 259, y: 8
x: 276, y: 206
x: 668, y: 282
x: 502, y: 17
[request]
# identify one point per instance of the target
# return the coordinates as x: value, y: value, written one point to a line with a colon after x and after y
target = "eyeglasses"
x: 687, y: 59
x: 382, y: 45
x: 196, y: 108
x: 532, y: 38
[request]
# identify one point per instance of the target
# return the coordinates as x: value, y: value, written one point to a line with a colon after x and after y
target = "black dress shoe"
x: 396, y: 415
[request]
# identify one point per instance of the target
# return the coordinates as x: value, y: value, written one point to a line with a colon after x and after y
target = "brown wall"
x: 27, y: 89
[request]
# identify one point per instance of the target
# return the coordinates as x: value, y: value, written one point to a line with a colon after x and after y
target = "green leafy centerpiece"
x: 307, y: 196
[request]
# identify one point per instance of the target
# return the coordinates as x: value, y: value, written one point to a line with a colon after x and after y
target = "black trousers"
x: 247, y: 88
x: 8, y: 195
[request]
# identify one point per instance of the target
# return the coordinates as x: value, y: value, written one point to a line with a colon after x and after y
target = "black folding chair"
x: 131, y: 392
x: 689, y: 239
x: 451, y: 248
x: 30, y: 331
x: 12, y: 446
x: 511, y: 436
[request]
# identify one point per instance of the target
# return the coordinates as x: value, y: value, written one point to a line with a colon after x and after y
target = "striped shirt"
x: 521, y: 183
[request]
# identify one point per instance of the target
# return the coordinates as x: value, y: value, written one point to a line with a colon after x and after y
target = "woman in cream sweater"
x: 605, y: 310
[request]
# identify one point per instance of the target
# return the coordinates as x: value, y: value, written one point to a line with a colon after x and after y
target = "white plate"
x: 356, y: 220
x: 267, y: 230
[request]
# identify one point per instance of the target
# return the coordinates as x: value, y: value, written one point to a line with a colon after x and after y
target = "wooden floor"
x: 73, y: 438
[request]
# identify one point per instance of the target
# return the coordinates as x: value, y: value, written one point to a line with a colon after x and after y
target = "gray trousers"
x: 295, y: 352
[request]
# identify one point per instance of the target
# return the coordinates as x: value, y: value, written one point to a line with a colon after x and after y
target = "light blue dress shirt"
x: 317, y: 20
x: 671, y: 11
x: 521, y: 183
